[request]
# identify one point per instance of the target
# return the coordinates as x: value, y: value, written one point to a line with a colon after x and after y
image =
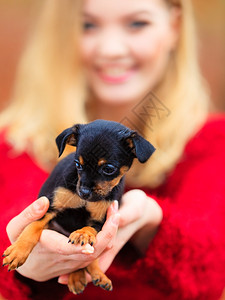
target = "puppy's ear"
x: 68, y: 136
x: 140, y: 147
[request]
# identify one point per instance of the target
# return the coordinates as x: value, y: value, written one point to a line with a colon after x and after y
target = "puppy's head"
x: 105, y: 152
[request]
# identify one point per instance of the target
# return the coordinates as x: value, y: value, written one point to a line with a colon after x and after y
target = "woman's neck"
x: 111, y: 112
x: 126, y: 114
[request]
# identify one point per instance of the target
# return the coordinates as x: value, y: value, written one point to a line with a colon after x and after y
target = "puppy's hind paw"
x: 100, y: 279
x: 77, y: 282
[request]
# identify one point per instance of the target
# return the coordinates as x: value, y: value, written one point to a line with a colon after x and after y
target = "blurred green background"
x: 17, y: 17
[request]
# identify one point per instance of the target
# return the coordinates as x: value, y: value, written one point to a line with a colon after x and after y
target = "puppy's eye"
x: 78, y: 165
x: 109, y: 169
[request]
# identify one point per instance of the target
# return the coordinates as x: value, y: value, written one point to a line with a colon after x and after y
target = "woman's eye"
x: 88, y: 26
x: 138, y: 24
x: 78, y: 165
x: 109, y: 169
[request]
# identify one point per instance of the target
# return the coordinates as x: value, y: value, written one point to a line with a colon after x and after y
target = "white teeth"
x: 114, y: 71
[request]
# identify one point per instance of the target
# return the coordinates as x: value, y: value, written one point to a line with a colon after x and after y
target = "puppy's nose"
x: 85, y: 192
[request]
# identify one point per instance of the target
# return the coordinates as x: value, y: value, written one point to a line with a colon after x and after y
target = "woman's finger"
x: 113, y: 209
x: 58, y: 243
x: 63, y: 279
x: 106, y: 236
x: 31, y: 213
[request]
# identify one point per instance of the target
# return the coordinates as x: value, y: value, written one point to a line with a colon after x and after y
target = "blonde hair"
x: 50, y: 93
x: 186, y: 96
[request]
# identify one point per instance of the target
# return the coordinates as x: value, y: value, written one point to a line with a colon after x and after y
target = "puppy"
x: 80, y: 190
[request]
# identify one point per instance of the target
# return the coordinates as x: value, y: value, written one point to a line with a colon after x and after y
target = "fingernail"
x: 115, y: 219
x: 86, y: 251
x: 39, y: 204
x: 87, y: 248
x: 115, y: 205
x: 62, y: 280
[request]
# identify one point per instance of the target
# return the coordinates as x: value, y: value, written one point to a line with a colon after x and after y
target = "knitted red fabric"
x: 185, y: 260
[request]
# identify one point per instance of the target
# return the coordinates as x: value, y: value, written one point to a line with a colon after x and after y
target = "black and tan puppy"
x: 81, y: 188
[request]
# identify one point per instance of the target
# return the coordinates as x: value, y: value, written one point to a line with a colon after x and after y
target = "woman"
x: 172, y: 213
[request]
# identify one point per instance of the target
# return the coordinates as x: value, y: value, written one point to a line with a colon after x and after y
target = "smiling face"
x: 126, y: 46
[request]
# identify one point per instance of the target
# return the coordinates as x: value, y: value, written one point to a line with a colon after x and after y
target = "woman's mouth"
x: 115, y: 75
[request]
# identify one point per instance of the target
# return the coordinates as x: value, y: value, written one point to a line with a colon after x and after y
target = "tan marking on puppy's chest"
x: 66, y: 199
x: 98, y: 209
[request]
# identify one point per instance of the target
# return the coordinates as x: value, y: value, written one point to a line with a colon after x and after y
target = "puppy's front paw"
x: 86, y: 235
x: 15, y: 256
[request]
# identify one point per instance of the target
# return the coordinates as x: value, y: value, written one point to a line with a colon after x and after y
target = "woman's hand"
x: 53, y: 256
x: 142, y: 214
x: 140, y: 217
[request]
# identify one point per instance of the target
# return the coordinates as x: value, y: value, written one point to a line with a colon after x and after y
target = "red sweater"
x: 185, y: 260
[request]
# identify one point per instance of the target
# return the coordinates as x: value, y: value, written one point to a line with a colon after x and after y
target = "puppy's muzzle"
x: 85, y: 192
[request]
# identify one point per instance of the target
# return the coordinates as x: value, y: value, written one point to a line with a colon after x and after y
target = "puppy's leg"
x: 86, y: 235
x: 98, y: 277
x: 16, y: 254
x: 77, y: 282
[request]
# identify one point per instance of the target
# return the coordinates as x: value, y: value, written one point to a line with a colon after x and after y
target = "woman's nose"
x: 112, y: 44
